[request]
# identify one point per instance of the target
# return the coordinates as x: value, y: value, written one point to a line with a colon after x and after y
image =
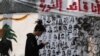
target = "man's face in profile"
x: 39, y: 33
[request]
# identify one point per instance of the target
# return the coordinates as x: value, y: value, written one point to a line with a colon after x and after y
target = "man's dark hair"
x: 39, y: 26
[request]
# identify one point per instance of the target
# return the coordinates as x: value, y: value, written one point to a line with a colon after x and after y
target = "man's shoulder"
x: 30, y: 35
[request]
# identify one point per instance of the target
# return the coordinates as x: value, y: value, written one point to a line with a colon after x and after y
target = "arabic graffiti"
x: 79, y: 5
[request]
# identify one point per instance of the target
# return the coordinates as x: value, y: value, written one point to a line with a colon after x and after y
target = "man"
x: 32, y: 48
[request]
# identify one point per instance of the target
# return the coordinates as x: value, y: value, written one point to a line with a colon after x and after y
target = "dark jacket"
x: 32, y: 49
x: 5, y: 45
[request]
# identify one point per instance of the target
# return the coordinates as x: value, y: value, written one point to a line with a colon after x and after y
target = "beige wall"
x: 21, y: 28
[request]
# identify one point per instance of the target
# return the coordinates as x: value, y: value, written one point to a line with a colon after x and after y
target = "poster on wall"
x: 70, y: 35
x: 60, y: 34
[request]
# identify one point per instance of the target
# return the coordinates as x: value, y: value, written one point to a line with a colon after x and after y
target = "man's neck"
x: 34, y: 33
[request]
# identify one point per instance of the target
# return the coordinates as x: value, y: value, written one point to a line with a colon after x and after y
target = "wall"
x: 60, y: 34
x: 67, y: 39
x: 63, y: 37
x: 21, y: 23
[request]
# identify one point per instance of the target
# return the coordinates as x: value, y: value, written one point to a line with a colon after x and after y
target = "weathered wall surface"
x: 70, y: 35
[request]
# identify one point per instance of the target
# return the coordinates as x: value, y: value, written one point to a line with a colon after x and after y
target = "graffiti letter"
x: 73, y: 6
